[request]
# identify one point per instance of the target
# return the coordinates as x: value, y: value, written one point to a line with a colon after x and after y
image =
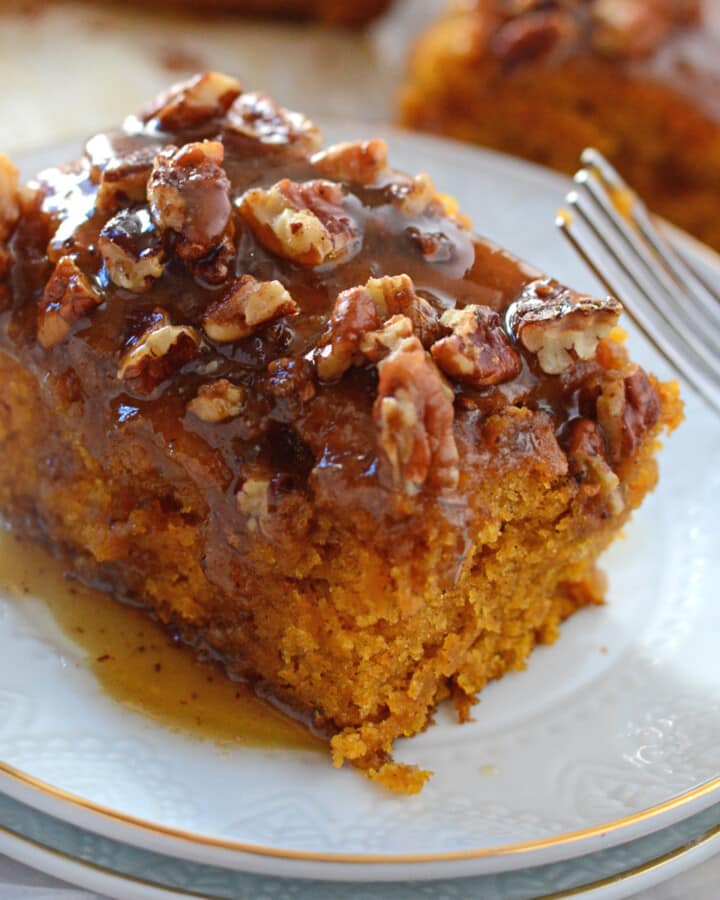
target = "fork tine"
x: 681, y: 269
x: 660, y: 285
x: 680, y: 335
x: 619, y: 284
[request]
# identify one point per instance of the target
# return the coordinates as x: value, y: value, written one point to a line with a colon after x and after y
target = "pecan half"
x: 627, y: 409
x: 9, y: 197
x: 629, y: 28
x: 375, y: 345
x: 306, y: 223
x: 247, y: 306
x: 158, y: 351
x: 395, y: 295
x: 218, y: 401
x: 361, y: 162
x: 132, y: 250
x: 551, y: 320
x: 414, y: 416
x: 189, y: 194
x: 255, y: 120
x: 68, y: 296
x: 194, y: 102
x: 123, y: 181
x: 353, y: 315
x: 477, y: 351
x: 588, y: 463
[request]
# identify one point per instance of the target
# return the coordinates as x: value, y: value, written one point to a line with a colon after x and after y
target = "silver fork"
x: 677, y: 310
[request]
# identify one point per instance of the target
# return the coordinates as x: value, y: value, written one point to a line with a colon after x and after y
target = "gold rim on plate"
x: 570, y: 837
x: 657, y: 862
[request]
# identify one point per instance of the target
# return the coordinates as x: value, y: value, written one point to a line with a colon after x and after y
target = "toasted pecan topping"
x: 306, y: 223
x: 414, y: 416
x: 257, y: 120
x: 353, y: 315
x: 189, y: 194
x: 551, y: 321
x: 9, y: 197
x: 218, y: 401
x: 358, y: 314
x: 158, y: 351
x: 415, y: 196
x: 627, y: 409
x: 291, y: 378
x: 191, y: 103
x: 132, y: 250
x: 361, y: 162
x: 477, y: 350
x: 252, y: 501
x: 123, y: 181
x: 68, y: 296
x: 395, y: 295
x: 588, y: 463
x: 247, y: 306
x: 535, y: 35
x: 375, y: 345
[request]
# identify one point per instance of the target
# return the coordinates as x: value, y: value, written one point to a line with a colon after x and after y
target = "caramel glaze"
x: 324, y: 448
x: 140, y: 664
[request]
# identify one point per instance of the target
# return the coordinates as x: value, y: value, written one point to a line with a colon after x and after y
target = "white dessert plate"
x: 611, y: 734
x: 128, y: 873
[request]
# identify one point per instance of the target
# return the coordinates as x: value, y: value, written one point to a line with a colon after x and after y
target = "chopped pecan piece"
x: 256, y: 120
x: 291, y: 378
x: 375, y: 345
x: 628, y: 28
x: 253, y: 501
x: 627, y: 409
x: 414, y: 416
x: 533, y: 36
x: 68, y: 296
x: 247, y: 306
x: 477, y: 351
x: 354, y: 314
x: 123, y: 181
x: 362, y: 162
x: 588, y: 463
x: 395, y: 295
x: 415, y: 196
x: 306, y: 223
x: 132, y: 250
x: 551, y: 320
x: 358, y: 314
x: 189, y: 194
x: 191, y: 103
x: 9, y: 197
x: 158, y: 351
x: 218, y: 401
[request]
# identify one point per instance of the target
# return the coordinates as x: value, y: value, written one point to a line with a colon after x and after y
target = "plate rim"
x: 647, y: 871
x: 137, y: 829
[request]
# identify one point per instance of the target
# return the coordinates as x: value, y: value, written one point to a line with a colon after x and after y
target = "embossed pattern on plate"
x: 620, y: 715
